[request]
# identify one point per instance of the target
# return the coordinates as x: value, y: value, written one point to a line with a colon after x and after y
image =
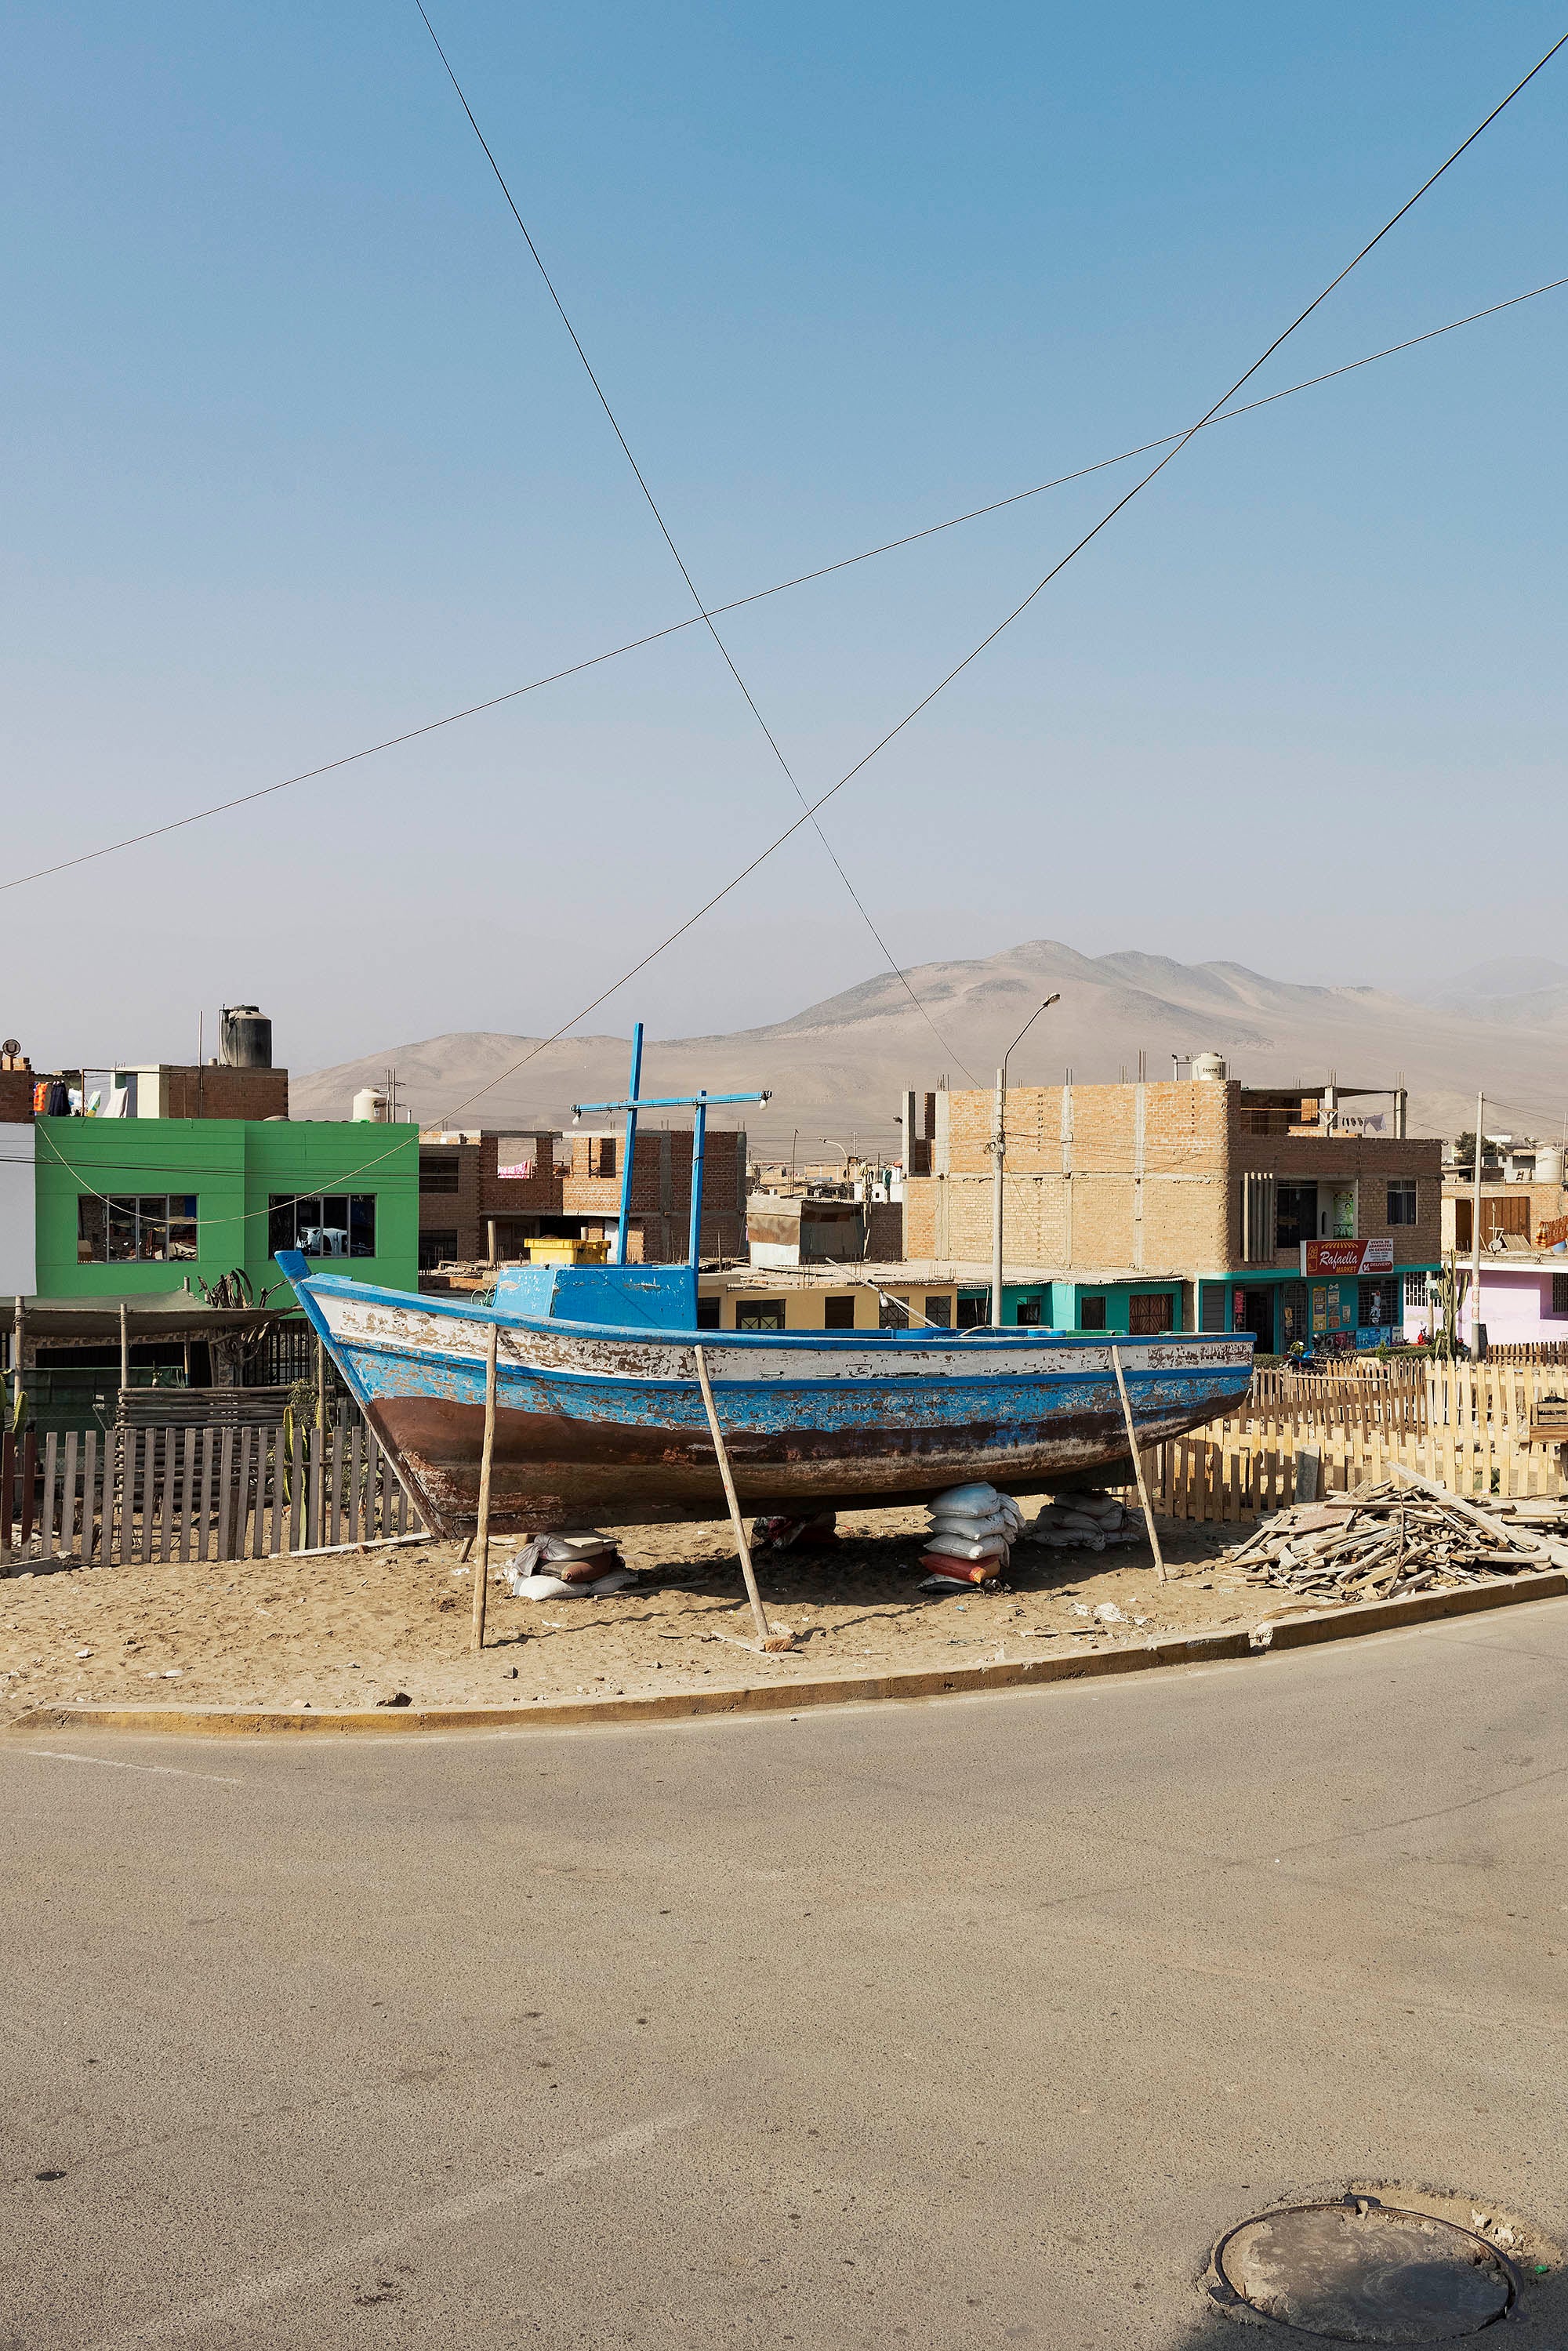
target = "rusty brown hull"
x: 546, y: 1475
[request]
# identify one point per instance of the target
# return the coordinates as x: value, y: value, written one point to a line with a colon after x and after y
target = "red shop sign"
x: 1348, y: 1257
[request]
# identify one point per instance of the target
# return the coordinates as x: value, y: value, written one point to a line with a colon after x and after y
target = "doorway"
x: 1255, y: 1312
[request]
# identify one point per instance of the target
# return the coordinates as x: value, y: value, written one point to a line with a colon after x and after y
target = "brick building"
x: 1523, y: 1204
x: 150, y: 1089
x: 483, y: 1197
x: 1201, y: 1204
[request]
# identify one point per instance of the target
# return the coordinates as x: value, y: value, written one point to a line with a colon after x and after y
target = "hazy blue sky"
x: 299, y: 456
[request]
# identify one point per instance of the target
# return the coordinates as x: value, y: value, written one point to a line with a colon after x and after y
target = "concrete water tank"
x: 244, y: 1037
x: 1210, y: 1066
x: 369, y: 1102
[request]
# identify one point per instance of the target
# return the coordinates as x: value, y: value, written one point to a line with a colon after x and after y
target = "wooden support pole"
x: 1138, y: 1466
x: 767, y: 1637
x: 124, y: 1347
x: 482, y: 1532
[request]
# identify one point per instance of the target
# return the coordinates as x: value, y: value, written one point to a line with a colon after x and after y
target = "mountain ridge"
x: 843, y: 1061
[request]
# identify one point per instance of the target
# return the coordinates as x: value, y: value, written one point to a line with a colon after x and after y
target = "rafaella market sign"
x: 1347, y: 1258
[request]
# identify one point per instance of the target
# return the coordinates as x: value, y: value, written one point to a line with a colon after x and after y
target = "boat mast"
x: 624, y: 1226
x: 698, y: 1104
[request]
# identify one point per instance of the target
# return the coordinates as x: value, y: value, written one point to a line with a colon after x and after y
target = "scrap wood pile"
x: 1398, y: 1535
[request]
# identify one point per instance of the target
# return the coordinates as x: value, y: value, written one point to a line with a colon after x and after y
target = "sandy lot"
x: 351, y: 1630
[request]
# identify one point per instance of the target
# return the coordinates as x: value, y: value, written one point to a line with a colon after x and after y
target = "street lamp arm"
x: 1028, y: 1025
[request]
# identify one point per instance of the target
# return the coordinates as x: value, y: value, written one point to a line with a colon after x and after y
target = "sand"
x: 360, y: 1628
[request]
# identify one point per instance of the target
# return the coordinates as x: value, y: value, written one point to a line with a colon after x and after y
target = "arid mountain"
x: 838, y: 1069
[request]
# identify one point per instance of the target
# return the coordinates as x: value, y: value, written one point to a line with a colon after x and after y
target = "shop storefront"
x: 1353, y: 1298
x: 1346, y: 1297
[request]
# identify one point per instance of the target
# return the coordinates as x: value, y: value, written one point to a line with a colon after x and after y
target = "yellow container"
x: 556, y: 1248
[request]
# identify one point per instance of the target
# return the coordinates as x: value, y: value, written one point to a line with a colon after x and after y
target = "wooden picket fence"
x: 1482, y: 1428
x: 1375, y: 1395
x: 147, y: 1495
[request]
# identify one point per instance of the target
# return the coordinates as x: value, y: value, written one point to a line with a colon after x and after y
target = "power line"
x: 703, y: 614
x: 1038, y: 589
x: 760, y: 595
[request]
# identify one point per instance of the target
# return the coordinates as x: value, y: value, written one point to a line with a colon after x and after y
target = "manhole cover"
x: 1362, y: 2272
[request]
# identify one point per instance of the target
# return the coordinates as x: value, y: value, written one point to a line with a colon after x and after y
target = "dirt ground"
x: 360, y: 1627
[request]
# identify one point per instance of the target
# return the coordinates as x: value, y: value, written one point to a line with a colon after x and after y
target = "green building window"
x: 1092, y: 1312
x: 155, y: 1229
x: 323, y: 1224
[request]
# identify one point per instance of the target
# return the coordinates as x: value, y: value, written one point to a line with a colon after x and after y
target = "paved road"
x: 967, y: 2023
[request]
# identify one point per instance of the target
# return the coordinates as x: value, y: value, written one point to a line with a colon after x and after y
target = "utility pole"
x: 999, y: 1148
x: 1478, y: 1330
x: 999, y: 1156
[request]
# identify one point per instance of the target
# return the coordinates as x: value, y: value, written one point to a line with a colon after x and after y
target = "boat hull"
x: 596, y: 1425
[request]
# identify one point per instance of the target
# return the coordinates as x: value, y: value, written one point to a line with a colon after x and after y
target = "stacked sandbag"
x: 1086, y: 1522
x: 973, y: 1529
x: 581, y: 1561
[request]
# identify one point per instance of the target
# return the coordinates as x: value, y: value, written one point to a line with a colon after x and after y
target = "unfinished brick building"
x: 1202, y: 1204
x: 483, y: 1197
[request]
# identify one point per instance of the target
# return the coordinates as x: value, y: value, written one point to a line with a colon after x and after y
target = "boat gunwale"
x: 825, y: 1341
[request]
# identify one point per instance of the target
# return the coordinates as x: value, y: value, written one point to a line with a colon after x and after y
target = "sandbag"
x: 555, y: 1587
x: 953, y: 1572
x: 1104, y: 1507
x: 999, y: 1522
x: 584, y: 1553
x: 975, y: 1500
x: 968, y: 1546
x: 584, y: 1570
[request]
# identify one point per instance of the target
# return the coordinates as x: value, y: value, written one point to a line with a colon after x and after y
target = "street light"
x: 837, y: 1146
x: 1000, y: 1148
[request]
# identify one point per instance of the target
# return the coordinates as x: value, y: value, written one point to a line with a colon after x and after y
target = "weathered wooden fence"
x: 1378, y: 1395
x: 1481, y: 1428
x: 188, y: 1493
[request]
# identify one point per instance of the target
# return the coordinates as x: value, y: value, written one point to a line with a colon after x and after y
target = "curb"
x: 849, y: 1690
x: 1421, y: 1608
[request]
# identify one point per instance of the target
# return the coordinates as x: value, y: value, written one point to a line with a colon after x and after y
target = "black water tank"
x: 245, y: 1039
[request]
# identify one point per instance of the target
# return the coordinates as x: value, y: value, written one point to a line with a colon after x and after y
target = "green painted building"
x: 133, y: 1205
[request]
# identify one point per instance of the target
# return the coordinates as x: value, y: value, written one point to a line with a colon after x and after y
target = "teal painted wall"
x: 1115, y: 1294
x: 233, y: 1167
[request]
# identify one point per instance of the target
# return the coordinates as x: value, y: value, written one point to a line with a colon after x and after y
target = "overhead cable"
x: 702, y: 612
x: 760, y: 595
x: 1019, y: 610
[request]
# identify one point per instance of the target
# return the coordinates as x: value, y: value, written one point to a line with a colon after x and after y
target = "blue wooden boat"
x: 600, y: 1415
x: 600, y: 1418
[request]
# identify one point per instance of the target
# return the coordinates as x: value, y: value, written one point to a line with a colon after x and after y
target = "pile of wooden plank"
x: 1396, y: 1535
